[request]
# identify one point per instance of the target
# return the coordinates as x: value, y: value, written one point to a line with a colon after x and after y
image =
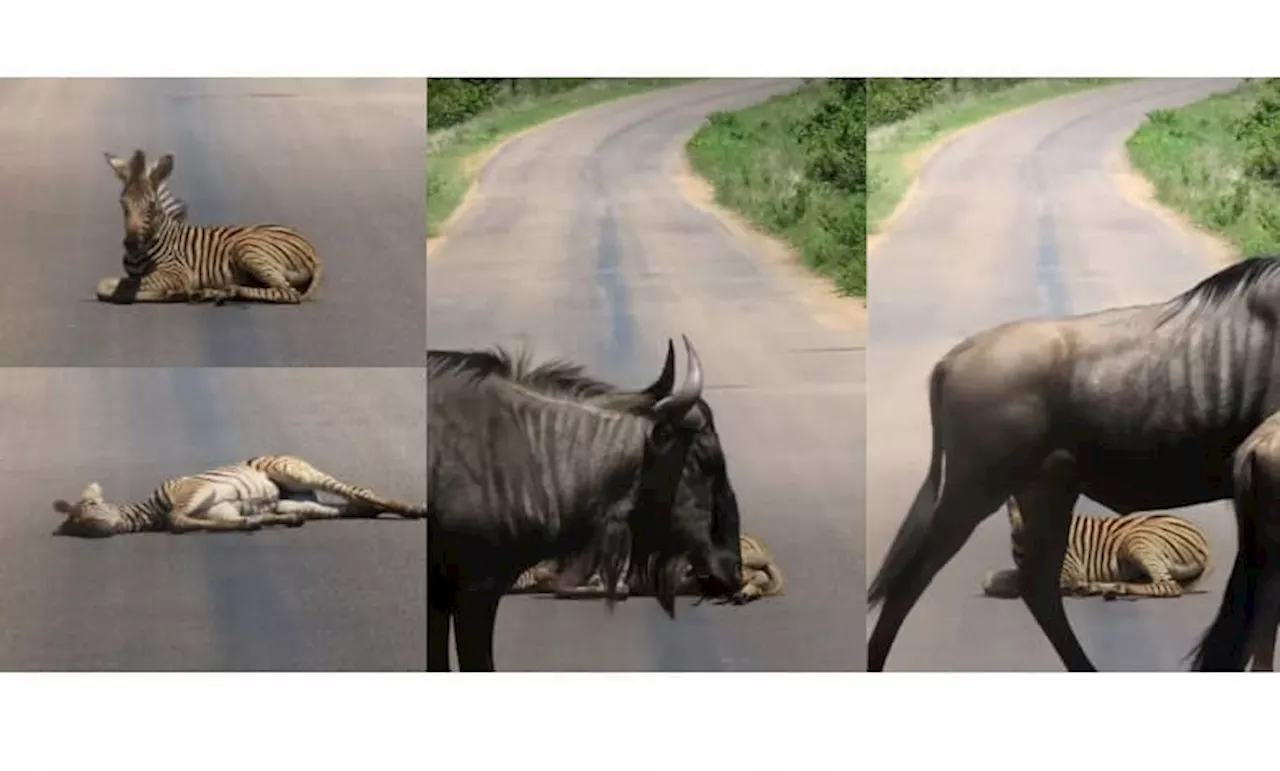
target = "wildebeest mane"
x: 557, y: 377
x: 1215, y: 291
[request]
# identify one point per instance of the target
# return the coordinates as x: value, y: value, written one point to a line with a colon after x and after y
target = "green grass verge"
x: 889, y: 146
x: 449, y: 174
x: 759, y: 165
x: 1196, y: 162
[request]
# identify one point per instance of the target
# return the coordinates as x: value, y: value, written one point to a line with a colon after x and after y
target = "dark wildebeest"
x: 1148, y: 407
x: 549, y: 464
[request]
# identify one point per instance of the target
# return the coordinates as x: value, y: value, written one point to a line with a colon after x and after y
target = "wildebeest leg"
x: 474, y: 621
x: 1226, y: 645
x: 1262, y: 509
x: 1046, y: 505
x: 966, y: 500
x: 441, y: 601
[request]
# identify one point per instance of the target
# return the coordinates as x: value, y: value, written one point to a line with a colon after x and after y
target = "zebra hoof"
x: 106, y: 288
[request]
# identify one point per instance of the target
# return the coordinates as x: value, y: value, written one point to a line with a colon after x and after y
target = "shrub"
x: 1259, y: 133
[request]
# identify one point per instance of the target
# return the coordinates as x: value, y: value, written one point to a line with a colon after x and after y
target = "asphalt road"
x: 328, y: 596
x: 580, y: 243
x: 343, y: 161
x: 1022, y: 216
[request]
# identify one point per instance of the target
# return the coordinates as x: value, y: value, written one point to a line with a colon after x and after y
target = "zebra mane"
x: 1216, y: 291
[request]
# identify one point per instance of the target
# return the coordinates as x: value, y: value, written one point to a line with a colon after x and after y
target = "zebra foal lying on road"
x: 1111, y: 556
x: 261, y: 491
x: 761, y: 577
x: 167, y: 259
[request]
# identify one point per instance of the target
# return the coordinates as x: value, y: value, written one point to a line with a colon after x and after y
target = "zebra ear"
x: 62, y: 507
x: 161, y: 169
x: 119, y: 165
x: 92, y: 493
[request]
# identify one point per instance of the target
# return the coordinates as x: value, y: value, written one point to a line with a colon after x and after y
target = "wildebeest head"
x: 685, y: 479
x: 89, y: 517
x: 686, y: 513
x: 139, y: 198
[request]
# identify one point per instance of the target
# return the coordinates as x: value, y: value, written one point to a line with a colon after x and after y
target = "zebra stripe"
x: 175, y: 259
x: 1138, y: 554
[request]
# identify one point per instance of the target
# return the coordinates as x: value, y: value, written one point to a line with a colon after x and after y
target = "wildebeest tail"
x: 910, y: 539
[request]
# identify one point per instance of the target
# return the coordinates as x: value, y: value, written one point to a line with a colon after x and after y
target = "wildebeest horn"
x: 663, y: 385
x: 674, y: 407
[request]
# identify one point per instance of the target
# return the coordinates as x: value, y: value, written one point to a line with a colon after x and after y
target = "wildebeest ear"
x: 1015, y: 514
x: 119, y: 165
x: 62, y: 507
x: 667, y: 380
x: 161, y: 169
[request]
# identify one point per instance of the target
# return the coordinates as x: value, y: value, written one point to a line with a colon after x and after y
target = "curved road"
x: 580, y: 243
x: 341, y: 160
x: 328, y: 596
x: 1021, y: 217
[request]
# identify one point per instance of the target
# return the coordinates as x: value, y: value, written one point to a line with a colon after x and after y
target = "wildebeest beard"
x: 684, y: 467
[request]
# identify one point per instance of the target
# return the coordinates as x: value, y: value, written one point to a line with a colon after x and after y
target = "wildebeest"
x: 1147, y: 407
x: 527, y: 464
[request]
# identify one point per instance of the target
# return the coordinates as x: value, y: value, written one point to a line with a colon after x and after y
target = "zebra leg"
x: 263, y: 267
x: 305, y: 510
x: 181, y: 522
x: 160, y: 286
x: 1153, y: 564
x: 306, y: 477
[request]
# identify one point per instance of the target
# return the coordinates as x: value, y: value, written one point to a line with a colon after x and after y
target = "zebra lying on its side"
x: 261, y: 491
x: 167, y: 259
x: 760, y: 578
x: 1110, y: 556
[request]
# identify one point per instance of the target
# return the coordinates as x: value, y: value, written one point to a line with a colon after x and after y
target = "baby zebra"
x: 760, y: 577
x: 265, y: 490
x: 1110, y: 556
x: 170, y: 260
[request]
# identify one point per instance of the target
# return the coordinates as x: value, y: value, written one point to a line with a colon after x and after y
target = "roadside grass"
x: 455, y: 154
x: 1198, y: 163
x: 766, y: 163
x: 891, y: 147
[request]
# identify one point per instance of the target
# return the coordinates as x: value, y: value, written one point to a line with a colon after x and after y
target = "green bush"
x: 452, y: 100
x: 895, y: 99
x: 1259, y: 133
x: 835, y: 137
